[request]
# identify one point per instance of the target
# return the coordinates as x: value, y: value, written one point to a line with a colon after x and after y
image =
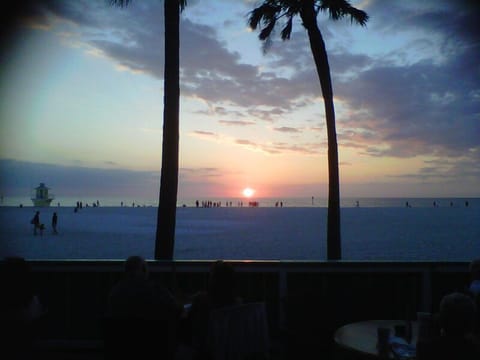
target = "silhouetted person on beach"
x: 457, y: 316
x: 36, y: 222
x: 54, y: 222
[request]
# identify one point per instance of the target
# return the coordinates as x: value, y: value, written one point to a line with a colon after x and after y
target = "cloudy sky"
x: 81, y: 101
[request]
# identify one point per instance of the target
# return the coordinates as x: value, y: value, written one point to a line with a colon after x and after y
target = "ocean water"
x: 346, y: 202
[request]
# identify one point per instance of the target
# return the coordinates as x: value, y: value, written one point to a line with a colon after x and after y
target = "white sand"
x: 439, y: 234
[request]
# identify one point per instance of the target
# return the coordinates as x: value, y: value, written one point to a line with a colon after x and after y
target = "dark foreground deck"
x: 306, y: 301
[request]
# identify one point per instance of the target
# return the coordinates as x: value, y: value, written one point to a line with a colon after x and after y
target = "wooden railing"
x: 314, y: 297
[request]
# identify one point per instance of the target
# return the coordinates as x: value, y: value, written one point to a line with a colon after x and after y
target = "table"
x: 361, y: 337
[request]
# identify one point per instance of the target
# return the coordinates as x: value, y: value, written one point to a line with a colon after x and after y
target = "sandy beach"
x: 433, y: 234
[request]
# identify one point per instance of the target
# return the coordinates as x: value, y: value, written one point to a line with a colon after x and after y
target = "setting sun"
x: 248, y: 192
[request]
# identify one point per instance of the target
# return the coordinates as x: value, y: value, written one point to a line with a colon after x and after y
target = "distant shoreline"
x: 263, y: 202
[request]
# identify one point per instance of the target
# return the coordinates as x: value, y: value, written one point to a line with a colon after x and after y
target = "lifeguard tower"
x: 42, y: 198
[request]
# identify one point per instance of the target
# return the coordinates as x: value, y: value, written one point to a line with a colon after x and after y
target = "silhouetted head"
x: 475, y: 269
x: 136, y: 266
x: 457, y: 314
x: 222, y: 283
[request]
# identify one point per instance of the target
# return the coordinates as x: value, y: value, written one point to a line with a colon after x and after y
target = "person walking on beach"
x: 54, y: 223
x: 36, y: 222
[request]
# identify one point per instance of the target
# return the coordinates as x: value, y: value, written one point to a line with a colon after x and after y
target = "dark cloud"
x: 133, y: 38
x: 186, y: 174
x: 397, y: 108
x: 452, y: 20
x: 20, y: 177
x: 287, y: 129
x: 236, y: 122
x: 281, y: 147
x: 204, y: 133
x: 306, y: 149
x: 417, y: 110
x: 245, y: 142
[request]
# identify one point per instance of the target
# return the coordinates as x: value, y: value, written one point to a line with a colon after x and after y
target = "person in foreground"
x: 474, y: 290
x: 474, y: 287
x: 141, y: 315
x: 457, y: 339
x: 221, y: 293
x: 20, y: 309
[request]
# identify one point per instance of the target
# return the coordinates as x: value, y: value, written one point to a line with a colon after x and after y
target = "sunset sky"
x: 81, y: 101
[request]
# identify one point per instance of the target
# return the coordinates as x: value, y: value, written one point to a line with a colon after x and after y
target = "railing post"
x: 282, y: 294
x: 427, y: 289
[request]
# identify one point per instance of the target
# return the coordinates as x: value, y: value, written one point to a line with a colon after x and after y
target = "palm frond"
x: 255, y: 18
x: 287, y: 30
x: 124, y: 3
x: 333, y: 7
x: 265, y: 13
x: 338, y: 9
x: 358, y: 16
x: 183, y: 4
x: 266, y: 31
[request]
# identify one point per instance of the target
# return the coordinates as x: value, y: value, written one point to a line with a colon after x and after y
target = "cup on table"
x: 383, y: 335
x: 425, y: 325
x: 186, y: 310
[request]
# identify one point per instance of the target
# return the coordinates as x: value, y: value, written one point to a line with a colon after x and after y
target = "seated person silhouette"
x: 474, y: 287
x: 221, y: 293
x: 456, y: 316
x: 141, y: 316
x: 474, y: 290
x: 20, y: 309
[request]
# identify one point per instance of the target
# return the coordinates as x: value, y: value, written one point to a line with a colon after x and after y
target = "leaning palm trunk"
x: 167, y: 207
x: 320, y: 57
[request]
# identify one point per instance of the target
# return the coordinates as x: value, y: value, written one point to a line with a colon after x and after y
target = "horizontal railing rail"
x: 303, y: 298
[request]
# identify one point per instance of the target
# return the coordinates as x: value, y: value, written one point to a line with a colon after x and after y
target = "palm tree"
x: 265, y: 17
x: 167, y: 202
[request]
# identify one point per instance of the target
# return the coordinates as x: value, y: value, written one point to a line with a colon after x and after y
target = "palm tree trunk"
x: 167, y: 203
x: 317, y: 45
